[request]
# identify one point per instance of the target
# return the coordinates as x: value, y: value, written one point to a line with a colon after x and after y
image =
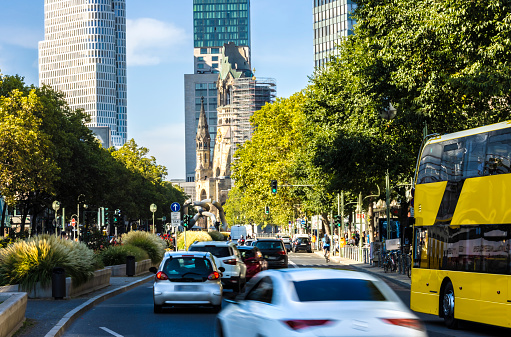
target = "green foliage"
x: 94, y: 239
x: 31, y: 261
x: 4, y: 242
x: 217, y: 236
x: 152, y: 244
x: 191, y: 237
x: 269, y: 155
x: 115, y: 255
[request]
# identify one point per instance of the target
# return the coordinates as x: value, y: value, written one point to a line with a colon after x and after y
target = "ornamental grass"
x: 31, y: 261
x: 191, y: 237
x: 151, y: 243
x: 115, y: 255
x: 217, y: 236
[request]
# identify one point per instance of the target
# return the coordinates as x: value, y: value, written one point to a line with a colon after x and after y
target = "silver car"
x: 187, y: 279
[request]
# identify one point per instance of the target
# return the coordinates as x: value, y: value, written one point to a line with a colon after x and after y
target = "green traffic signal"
x: 274, y: 186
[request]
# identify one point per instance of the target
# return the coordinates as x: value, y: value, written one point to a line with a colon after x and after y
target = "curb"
x: 364, y: 270
x: 391, y: 279
x: 70, y: 317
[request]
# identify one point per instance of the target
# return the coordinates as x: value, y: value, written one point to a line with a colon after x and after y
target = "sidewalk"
x: 49, y: 317
x: 400, y: 279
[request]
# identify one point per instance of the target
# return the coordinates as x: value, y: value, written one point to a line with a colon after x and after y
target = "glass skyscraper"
x: 215, y: 23
x: 332, y: 21
x: 84, y: 55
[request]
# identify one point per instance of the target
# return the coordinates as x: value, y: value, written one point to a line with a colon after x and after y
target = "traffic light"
x: 267, y: 209
x: 186, y: 221
x: 274, y: 187
x: 338, y: 220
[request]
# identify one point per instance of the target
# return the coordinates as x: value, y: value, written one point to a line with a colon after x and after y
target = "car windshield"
x: 187, y: 268
x: 217, y: 251
x: 303, y: 240
x: 247, y: 253
x: 268, y: 244
x: 337, y: 290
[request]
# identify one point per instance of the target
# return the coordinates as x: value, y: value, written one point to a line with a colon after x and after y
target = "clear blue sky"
x: 160, y: 52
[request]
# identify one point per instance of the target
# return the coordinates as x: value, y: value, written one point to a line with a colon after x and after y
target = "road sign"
x: 303, y: 221
x: 163, y: 218
x: 175, y: 222
x: 175, y: 207
x: 175, y: 216
x: 73, y: 222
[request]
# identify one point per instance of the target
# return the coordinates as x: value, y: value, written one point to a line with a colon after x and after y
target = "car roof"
x: 304, y: 274
x: 213, y: 243
x: 247, y: 247
x: 269, y: 239
x: 187, y: 253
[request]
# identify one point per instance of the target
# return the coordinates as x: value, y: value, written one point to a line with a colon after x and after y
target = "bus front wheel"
x: 448, y: 301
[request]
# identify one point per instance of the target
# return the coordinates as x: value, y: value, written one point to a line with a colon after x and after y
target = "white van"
x: 296, y: 236
x: 237, y: 231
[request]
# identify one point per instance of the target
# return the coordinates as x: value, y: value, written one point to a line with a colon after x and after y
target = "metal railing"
x: 363, y: 254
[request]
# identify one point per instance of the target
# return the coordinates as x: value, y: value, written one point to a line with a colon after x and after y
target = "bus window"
x: 452, y: 160
x: 474, y: 157
x: 429, y: 168
x: 499, y: 152
x: 420, y: 248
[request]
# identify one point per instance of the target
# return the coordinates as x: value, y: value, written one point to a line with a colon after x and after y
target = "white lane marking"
x: 111, y: 332
x: 293, y: 264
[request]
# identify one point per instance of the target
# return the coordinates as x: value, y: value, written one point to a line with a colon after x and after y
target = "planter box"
x: 100, y: 279
x: 141, y: 267
x: 12, y: 312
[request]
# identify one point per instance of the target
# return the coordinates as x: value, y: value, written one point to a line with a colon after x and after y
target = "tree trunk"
x: 370, y: 219
x: 2, y: 221
x: 326, y: 223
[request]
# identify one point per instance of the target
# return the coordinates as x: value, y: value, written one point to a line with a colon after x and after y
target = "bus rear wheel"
x: 448, y: 301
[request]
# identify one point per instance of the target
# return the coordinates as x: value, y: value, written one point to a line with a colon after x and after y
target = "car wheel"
x: 217, y: 308
x: 309, y: 251
x: 158, y: 309
x: 447, y: 307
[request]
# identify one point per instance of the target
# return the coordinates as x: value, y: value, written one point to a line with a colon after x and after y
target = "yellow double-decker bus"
x: 462, y: 232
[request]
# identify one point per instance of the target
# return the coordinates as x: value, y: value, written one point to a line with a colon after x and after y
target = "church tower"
x: 203, y: 141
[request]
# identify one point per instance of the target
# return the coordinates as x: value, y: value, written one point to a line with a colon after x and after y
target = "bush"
x: 191, y: 237
x: 217, y: 236
x: 31, y: 261
x: 151, y: 243
x: 115, y: 255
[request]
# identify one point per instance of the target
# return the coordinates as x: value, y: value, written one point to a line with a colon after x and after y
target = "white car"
x: 228, y: 257
x: 317, y: 302
x: 185, y: 279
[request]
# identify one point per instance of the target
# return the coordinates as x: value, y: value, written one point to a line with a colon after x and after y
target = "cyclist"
x: 326, y: 246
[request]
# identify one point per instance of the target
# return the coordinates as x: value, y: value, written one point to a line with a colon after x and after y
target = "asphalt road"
x: 131, y: 314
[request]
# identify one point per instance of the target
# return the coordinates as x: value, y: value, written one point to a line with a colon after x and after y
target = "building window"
x: 200, y: 66
x: 200, y: 58
x: 214, y: 58
x: 215, y: 65
x: 204, y: 50
x: 215, y: 51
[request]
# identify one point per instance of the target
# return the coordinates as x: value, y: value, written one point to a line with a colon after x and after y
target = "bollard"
x: 58, y: 283
x: 130, y: 265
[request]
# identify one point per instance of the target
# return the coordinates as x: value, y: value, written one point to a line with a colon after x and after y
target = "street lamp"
x: 153, y: 209
x: 78, y: 216
x: 56, y: 206
x: 388, y: 114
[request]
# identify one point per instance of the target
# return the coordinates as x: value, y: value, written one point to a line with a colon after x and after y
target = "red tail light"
x: 230, y: 261
x: 214, y: 276
x: 282, y: 252
x: 297, y: 324
x: 161, y: 276
x: 405, y: 322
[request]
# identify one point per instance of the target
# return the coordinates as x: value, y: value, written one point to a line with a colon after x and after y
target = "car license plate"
x: 187, y: 288
x: 272, y: 258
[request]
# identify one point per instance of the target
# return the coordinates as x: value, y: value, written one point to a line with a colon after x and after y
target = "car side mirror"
x: 222, y: 269
x: 153, y: 270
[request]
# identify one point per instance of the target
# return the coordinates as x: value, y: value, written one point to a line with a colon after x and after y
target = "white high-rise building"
x: 332, y: 22
x: 84, y: 55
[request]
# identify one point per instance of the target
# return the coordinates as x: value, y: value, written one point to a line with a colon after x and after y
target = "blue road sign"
x: 175, y: 207
x: 303, y: 221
